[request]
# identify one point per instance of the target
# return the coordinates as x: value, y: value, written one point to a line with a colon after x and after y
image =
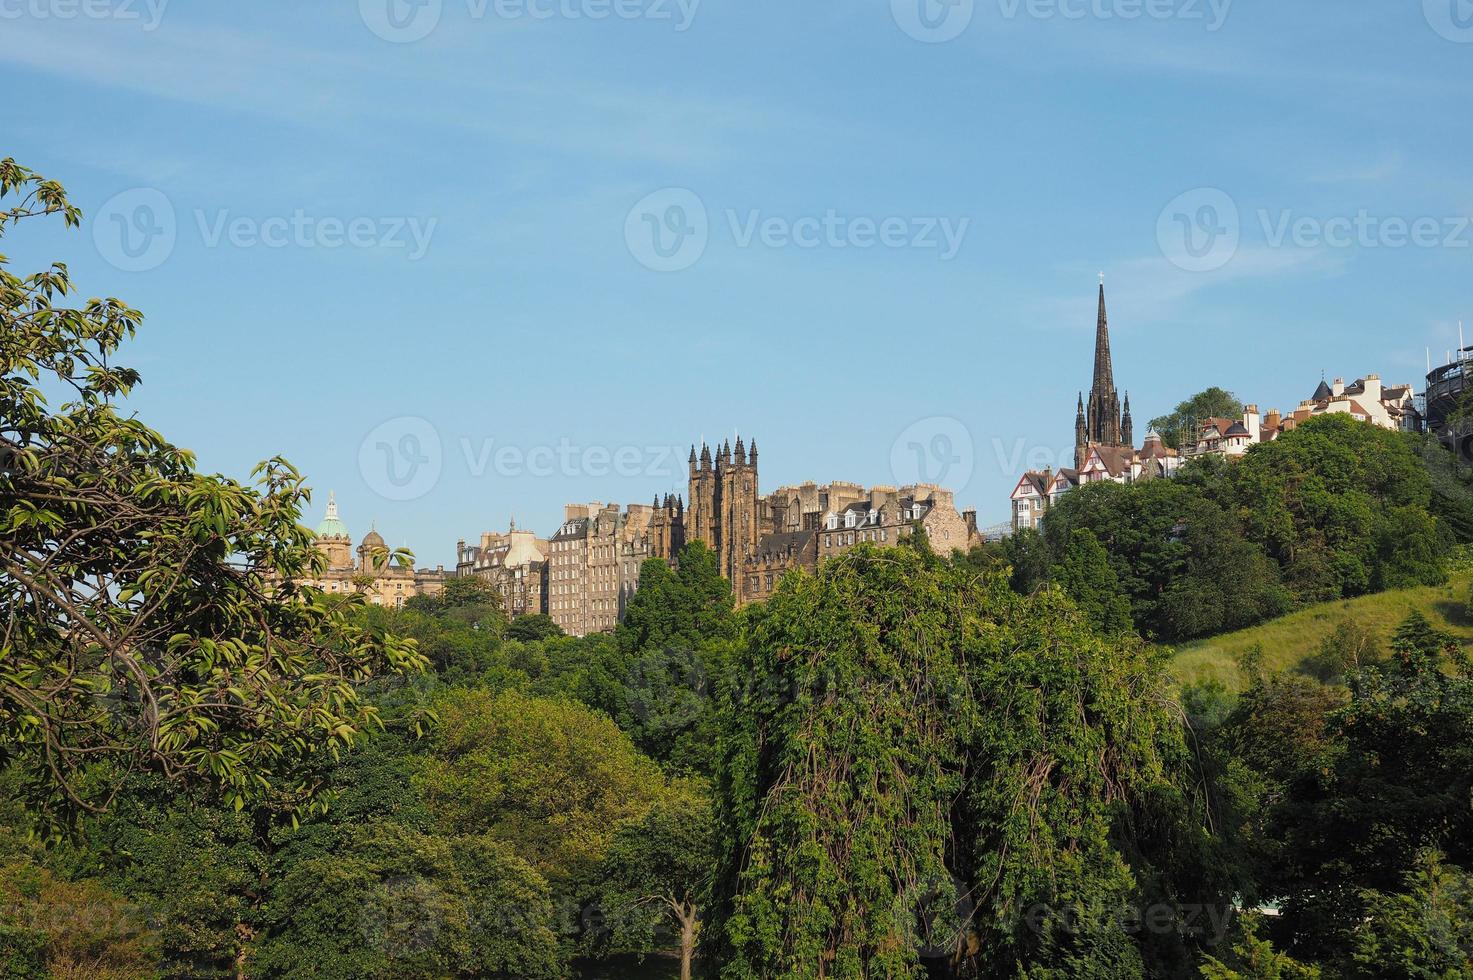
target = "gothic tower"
x: 724, y: 505
x: 1103, y: 425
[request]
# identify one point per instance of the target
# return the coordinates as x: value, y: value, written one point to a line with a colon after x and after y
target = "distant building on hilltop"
x: 388, y: 585
x: 515, y: 563
x: 1103, y: 421
x: 1366, y: 400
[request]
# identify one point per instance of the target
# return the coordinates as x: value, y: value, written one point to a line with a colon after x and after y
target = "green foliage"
x: 1424, y: 931
x: 400, y: 903
x: 1179, y: 557
x: 1358, y: 785
x: 1085, y: 574
x: 533, y: 626
x: 1256, y: 959
x: 1181, y: 425
x: 656, y: 874
x: 1349, y: 647
x: 1332, y: 509
x: 549, y: 778
x: 919, y: 760
x: 841, y: 763
x: 153, y: 620
x: 54, y: 928
x: 674, y: 644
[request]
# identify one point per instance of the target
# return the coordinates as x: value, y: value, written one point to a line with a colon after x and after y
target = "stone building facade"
x: 515, y: 563
x: 383, y: 583
x: 594, y: 559
x: 589, y: 569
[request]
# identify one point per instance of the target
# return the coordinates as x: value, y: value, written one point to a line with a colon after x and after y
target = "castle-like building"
x: 584, y: 575
x: 384, y: 583
x: 1103, y: 421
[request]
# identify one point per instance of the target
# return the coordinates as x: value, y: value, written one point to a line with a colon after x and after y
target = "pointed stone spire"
x: 741, y: 452
x: 752, y: 453
x: 1104, y: 379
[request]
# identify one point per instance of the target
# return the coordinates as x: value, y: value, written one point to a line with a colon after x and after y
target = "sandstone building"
x: 389, y: 585
x: 515, y: 563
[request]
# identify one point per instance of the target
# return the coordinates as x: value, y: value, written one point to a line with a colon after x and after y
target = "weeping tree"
x: 919, y: 763
x: 155, y: 619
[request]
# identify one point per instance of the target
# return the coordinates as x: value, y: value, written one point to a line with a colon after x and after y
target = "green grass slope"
x: 1288, y: 640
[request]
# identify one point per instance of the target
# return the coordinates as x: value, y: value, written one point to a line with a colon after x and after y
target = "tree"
x: 51, y: 928
x: 1084, y: 573
x: 657, y: 871
x: 533, y: 626
x: 1424, y: 931
x: 396, y: 902
x: 675, y: 640
x: 1349, y: 647
x: 154, y: 616
x: 1256, y: 959
x: 919, y: 761
x: 549, y: 778
x: 841, y: 761
x: 1175, y: 429
x: 1390, y: 776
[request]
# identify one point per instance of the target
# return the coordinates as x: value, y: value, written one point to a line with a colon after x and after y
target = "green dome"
x: 331, y: 526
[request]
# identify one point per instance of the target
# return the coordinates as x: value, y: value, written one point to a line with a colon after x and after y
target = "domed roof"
x: 373, y: 540
x: 331, y: 526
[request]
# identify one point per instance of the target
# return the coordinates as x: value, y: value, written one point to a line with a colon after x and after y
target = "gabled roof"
x: 1115, y: 459
x: 788, y: 542
x: 1033, y: 479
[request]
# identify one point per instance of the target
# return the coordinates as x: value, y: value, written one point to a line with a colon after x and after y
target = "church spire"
x: 1104, y: 379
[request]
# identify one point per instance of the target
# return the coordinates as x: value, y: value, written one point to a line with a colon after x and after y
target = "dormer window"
x: 849, y: 519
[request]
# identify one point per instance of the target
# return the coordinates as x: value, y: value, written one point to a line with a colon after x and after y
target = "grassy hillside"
x: 1288, y: 640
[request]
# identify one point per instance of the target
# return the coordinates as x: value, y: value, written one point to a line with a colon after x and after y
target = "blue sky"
x: 378, y: 245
